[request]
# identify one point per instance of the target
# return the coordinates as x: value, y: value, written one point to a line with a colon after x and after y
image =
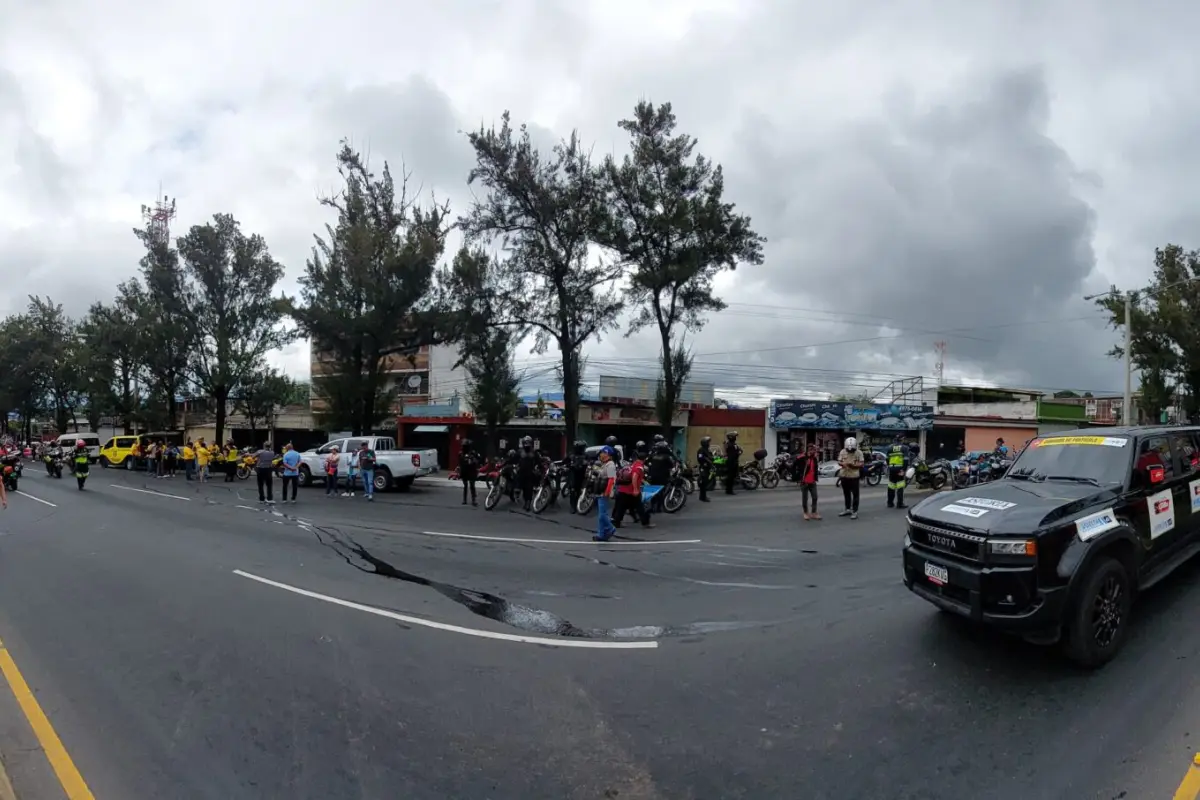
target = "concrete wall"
x: 1022, y: 410
x: 444, y: 378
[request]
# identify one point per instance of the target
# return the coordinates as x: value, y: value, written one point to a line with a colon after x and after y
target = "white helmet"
x: 851, y: 443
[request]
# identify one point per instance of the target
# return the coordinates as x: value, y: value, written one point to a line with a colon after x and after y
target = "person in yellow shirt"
x: 189, y: 459
x: 202, y: 456
x: 231, y: 461
x: 135, y: 456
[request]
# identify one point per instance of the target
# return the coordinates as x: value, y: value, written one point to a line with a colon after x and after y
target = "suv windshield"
x: 1100, y: 459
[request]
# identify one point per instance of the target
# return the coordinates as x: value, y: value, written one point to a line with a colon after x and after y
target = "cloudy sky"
x: 923, y: 170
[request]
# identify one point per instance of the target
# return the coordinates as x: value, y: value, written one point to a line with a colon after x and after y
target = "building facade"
x: 797, y: 423
x: 426, y: 376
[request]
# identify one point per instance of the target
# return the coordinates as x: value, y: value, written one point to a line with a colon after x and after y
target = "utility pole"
x: 1127, y: 403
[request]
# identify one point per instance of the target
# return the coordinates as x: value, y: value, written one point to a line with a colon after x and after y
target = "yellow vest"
x: 188, y: 454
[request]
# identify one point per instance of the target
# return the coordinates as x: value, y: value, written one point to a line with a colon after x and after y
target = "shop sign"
x: 785, y: 414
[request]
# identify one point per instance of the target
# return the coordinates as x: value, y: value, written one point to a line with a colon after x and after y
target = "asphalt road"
x: 185, y: 642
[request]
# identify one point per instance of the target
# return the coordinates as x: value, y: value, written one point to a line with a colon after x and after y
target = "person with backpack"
x: 605, y: 489
x: 629, y: 490
x: 365, y: 457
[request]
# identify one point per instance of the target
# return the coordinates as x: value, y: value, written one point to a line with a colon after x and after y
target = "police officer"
x: 468, y: 469
x: 577, y: 474
x: 526, y: 470
x: 732, y: 452
x: 704, y: 464
x: 897, y: 463
x: 658, y: 469
x: 81, y: 462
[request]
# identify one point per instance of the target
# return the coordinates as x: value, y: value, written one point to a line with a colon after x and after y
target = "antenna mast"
x: 157, y: 218
x: 939, y: 368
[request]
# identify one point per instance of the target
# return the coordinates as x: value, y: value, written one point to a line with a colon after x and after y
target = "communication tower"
x: 157, y: 218
x: 939, y: 368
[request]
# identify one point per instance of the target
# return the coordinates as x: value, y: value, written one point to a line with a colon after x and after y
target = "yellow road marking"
x: 6, y: 790
x: 1190, y: 788
x: 72, y: 782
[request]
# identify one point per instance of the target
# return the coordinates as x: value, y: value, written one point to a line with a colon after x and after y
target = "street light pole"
x: 1127, y: 403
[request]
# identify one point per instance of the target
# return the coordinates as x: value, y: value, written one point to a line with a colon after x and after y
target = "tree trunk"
x: 570, y: 393
x: 669, y: 389
x: 172, y: 406
x: 220, y: 396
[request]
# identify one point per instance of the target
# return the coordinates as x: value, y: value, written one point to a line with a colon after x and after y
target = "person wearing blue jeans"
x: 366, y: 467
x: 608, y: 478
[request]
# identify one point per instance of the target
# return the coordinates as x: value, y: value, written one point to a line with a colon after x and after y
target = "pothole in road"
x: 500, y: 609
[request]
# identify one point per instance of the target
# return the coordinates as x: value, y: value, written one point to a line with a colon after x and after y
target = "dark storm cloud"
x: 962, y: 215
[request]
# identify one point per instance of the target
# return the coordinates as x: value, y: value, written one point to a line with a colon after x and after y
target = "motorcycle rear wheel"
x: 770, y: 479
x: 689, y: 485
x: 874, y: 478
x: 674, y: 498
x: 243, y: 472
x: 937, y: 481
x: 750, y: 480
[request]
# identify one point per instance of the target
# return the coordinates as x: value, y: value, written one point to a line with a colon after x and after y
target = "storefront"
x: 444, y: 434
x: 954, y: 435
x: 799, y: 423
x: 629, y: 423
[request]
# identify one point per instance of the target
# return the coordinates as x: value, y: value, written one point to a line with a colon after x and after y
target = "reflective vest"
x: 896, y: 456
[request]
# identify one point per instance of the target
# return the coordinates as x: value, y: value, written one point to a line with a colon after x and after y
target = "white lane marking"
x: 248, y: 508
x: 442, y: 626
x: 40, y: 500
x: 148, y: 491
x: 547, y: 541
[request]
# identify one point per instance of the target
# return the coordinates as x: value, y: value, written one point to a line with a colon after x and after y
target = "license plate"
x: 936, y: 574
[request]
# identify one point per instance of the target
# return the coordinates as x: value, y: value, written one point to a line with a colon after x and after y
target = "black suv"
x: 1057, y: 548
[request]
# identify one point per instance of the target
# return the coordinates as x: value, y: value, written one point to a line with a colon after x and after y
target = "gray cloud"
x: 922, y: 171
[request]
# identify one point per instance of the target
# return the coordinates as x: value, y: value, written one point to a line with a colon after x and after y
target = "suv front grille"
x: 964, y: 545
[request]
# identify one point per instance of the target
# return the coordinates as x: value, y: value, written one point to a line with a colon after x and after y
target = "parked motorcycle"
x: 499, y: 487
x: 923, y: 475
x: 550, y: 485
x: 675, y: 494
x: 749, y: 474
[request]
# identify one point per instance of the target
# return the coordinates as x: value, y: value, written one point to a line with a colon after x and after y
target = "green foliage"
x: 668, y: 221
x: 112, y: 339
x: 368, y: 291
x: 485, y: 348
x: 543, y: 211
x: 1164, y: 344
x: 261, y: 392
x: 677, y: 362
x: 232, y: 315
x: 163, y: 325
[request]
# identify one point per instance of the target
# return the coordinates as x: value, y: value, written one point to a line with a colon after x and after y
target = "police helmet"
x: 705, y: 441
x: 526, y: 442
x: 731, y: 435
x: 611, y: 441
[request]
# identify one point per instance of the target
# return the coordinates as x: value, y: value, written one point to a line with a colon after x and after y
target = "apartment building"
x: 424, y: 377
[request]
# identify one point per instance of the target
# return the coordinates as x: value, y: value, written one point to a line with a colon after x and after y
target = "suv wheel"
x: 1099, y: 618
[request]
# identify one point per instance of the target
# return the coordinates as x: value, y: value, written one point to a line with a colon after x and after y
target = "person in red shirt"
x: 807, y: 468
x: 629, y: 490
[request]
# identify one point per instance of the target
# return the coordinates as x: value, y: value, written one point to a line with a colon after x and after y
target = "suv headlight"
x: 1013, y: 547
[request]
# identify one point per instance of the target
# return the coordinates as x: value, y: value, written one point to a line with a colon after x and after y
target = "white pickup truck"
x: 398, y: 468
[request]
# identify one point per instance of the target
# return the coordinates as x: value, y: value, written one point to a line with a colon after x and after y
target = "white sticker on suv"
x: 1162, y: 513
x: 975, y: 513
x: 1194, y: 488
x: 985, y: 502
x: 1093, y: 525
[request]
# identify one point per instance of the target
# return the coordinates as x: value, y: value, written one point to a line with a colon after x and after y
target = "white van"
x: 67, y: 442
